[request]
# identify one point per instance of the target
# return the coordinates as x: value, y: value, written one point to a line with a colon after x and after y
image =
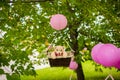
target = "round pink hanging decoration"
x: 117, y: 65
x: 73, y: 65
x: 94, y: 52
x: 108, y: 55
x: 58, y: 21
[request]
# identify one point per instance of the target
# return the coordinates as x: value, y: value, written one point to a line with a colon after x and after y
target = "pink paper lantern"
x: 73, y: 65
x: 117, y: 65
x: 95, y: 52
x: 108, y: 55
x: 58, y: 22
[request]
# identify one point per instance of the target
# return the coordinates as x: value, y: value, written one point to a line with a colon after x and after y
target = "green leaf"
x: 14, y: 76
x: 1, y: 71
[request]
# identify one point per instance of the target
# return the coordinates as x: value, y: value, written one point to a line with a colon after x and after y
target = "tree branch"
x: 28, y: 1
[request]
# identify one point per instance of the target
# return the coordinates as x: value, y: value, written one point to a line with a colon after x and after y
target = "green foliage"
x: 1, y: 71
x: 53, y: 73
x: 13, y: 77
x: 61, y: 73
x: 27, y: 28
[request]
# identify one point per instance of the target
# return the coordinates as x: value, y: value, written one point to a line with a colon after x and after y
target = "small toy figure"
x: 59, y: 51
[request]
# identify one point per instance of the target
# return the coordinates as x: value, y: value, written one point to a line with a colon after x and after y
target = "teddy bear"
x: 59, y: 51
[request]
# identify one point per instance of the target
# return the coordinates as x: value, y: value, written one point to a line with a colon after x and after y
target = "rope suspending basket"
x: 58, y: 57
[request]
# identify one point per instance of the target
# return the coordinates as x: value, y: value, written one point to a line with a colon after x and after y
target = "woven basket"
x: 59, y: 62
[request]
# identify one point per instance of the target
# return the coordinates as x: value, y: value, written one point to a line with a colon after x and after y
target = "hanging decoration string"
x: 119, y: 5
x: 58, y: 7
x: 71, y: 75
x: 51, y: 44
x: 68, y: 43
x: 69, y: 46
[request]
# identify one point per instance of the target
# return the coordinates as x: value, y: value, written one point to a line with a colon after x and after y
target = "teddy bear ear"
x: 56, y: 47
x: 63, y: 47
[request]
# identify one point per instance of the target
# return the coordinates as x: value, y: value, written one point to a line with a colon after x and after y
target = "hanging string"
x: 70, y: 77
x: 69, y: 46
x: 51, y: 44
x: 58, y: 7
x: 68, y: 43
x: 118, y: 5
x: 57, y: 32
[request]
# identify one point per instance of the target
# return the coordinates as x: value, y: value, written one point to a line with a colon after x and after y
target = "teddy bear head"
x: 59, y: 50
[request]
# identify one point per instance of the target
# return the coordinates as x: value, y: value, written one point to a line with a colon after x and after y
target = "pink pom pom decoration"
x: 95, y: 52
x: 108, y: 55
x: 117, y: 65
x: 58, y: 21
x: 73, y: 65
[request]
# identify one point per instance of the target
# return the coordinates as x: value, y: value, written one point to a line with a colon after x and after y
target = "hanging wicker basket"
x: 60, y: 61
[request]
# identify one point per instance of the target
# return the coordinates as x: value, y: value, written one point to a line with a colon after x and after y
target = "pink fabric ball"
x: 117, y: 65
x: 58, y: 22
x: 108, y: 55
x: 95, y: 52
x: 73, y: 65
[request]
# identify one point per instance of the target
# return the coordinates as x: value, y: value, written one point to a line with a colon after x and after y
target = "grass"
x: 60, y: 73
x: 91, y: 74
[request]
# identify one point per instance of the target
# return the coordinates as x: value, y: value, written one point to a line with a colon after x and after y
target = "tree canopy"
x: 25, y: 24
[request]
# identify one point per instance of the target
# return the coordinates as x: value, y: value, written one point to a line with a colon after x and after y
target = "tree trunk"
x: 74, y: 45
x: 79, y: 71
